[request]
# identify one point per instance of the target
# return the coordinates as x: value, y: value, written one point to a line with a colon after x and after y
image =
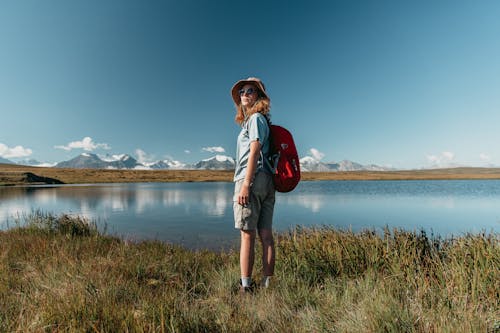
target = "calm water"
x: 199, y: 215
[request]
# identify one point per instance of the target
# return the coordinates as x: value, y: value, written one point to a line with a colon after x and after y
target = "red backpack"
x: 283, y: 158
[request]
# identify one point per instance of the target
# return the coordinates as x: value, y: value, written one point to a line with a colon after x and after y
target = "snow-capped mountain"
x: 309, y: 163
x: 83, y: 161
x: 35, y: 163
x: 123, y: 161
x: 168, y: 164
x: 29, y: 162
x: 218, y: 162
x: 111, y: 158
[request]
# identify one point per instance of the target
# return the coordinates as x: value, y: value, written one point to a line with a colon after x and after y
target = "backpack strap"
x: 272, y: 159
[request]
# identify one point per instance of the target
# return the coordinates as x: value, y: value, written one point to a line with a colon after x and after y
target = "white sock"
x: 265, y: 281
x: 246, y: 281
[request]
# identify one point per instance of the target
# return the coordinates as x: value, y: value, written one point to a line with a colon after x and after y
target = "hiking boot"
x: 248, y: 290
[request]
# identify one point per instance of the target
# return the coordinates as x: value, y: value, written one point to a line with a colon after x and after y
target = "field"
x: 60, y: 274
x: 22, y: 175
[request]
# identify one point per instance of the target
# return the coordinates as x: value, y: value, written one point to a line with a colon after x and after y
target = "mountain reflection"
x: 102, y: 200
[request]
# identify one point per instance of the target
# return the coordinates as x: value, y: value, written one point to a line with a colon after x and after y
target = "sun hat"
x: 235, y: 91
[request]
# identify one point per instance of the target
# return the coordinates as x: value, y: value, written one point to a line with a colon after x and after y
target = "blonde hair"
x: 262, y: 106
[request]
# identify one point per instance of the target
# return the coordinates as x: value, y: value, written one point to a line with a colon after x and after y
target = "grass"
x: 23, y: 175
x: 60, y: 273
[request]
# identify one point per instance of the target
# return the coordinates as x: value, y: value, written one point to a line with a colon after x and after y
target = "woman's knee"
x: 266, y: 237
x: 248, y: 235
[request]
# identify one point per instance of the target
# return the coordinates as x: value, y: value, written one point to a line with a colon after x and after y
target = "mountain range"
x: 309, y: 163
x: 218, y: 162
x: 6, y: 161
x: 93, y: 161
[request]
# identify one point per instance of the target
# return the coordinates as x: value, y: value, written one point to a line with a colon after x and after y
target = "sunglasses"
x: 249, y: 91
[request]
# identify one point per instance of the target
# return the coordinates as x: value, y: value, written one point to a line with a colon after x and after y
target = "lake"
x: 199, y: 215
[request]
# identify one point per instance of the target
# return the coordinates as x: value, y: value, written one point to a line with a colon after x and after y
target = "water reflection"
x: 315, y: 203
x: 210, y: 200
x: 200, y: 214
x: 178, y: 212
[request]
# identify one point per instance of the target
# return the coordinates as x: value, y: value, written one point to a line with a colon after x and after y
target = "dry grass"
x: 453, y: 173
x: 20, y: 175
x: 16, y: 175
x: 55, y: 279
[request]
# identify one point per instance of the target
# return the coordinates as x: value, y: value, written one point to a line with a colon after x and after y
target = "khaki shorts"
x: 258, y: 214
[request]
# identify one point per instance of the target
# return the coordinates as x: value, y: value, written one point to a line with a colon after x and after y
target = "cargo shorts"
x: 258, y: 213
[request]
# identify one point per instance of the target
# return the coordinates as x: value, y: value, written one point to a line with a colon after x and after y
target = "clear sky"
x: 407, y: 84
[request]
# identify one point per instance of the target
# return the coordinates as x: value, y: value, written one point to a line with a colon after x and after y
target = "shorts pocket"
x: 242, y: 216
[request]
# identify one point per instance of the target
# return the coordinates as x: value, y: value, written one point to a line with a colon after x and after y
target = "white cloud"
x: 316, y: 154
x: 17, y: 151
x: 187, y: 151
x: 445, y: 159
x: 214, y: 149
x: 448, y: 155
x: 86, y: 144
x: 485, y: 157
x: 143, y: 157
x: 432, y: 158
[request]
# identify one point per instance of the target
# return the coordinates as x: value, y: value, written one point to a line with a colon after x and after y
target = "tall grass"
x: 59, y: 273
x: 47, y: 223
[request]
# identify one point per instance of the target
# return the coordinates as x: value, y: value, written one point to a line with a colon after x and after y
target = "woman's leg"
x: 247, y: 253
x: 268, y: 254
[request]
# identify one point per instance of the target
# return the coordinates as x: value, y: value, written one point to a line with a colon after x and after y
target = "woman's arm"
x: 255, y: 147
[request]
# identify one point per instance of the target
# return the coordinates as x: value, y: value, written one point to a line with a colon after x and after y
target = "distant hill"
x: 29, y: 162
x: 35, y: 163
x: 310, y: 164
x: 6, y: 161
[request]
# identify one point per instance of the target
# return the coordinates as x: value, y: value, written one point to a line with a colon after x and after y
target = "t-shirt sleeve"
x: 258, y: 129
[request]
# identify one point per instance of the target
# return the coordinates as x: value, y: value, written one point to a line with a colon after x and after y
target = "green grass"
x: 59, y: 273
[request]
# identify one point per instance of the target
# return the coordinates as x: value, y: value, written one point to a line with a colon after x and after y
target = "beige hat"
x: 235, y: 91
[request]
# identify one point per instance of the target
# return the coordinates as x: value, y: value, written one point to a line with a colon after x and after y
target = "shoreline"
x: 12, y: 175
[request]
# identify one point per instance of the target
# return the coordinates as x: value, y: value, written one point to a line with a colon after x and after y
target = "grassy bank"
x: 58, y: 273
x: 23, y: 175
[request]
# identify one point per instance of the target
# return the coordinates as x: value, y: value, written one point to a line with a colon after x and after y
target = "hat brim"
x: 235, y: 91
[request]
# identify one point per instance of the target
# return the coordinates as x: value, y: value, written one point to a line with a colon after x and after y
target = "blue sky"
x: 396, y: 83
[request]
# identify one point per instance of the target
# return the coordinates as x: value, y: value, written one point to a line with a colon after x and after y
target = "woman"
x: 254, y: 193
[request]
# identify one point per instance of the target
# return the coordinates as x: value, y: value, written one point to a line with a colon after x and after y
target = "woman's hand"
x: 243, y: 197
